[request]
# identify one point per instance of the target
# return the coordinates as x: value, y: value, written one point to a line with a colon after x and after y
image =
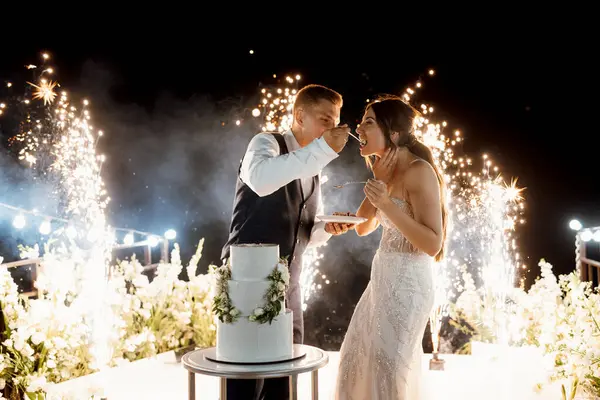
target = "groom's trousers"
x: 273, y: 388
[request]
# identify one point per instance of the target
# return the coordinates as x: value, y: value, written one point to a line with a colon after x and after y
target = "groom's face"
x: 318, y: 118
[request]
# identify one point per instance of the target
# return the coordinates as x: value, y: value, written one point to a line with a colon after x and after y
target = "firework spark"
x: 58, y: 140
x: 484, y: 215
x: 44, y: 91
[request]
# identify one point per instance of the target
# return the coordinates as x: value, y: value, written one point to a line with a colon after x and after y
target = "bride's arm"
x: 366, y: 210
x: 425, y: 230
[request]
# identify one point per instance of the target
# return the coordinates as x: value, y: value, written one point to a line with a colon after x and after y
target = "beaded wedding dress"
x: 380, y: 358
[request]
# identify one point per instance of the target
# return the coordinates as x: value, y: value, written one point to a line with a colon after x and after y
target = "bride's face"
x: 370, y: 132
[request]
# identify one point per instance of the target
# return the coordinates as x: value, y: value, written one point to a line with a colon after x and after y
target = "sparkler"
x: 58, y: 141
x: 484, y: 214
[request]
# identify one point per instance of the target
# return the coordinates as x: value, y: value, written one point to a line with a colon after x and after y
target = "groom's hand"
x: 337, y: 137
x: 335, y: 228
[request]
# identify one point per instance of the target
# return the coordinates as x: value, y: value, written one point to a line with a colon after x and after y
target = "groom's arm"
x: 265, y: 170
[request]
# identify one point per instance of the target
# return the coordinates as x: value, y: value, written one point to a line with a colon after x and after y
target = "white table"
x: 201, y: 362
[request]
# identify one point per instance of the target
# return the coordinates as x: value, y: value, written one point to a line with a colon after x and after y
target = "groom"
x: 278, y: 195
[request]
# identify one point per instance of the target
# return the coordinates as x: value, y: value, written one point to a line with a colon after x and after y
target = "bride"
x: 381, y: 353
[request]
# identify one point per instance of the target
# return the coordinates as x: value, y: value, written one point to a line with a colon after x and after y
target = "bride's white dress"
x: 380, y: 358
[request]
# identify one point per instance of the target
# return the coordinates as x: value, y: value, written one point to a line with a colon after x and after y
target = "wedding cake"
x: 254, y: 325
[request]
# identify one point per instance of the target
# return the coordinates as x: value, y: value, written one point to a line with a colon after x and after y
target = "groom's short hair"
x: 310, y: 95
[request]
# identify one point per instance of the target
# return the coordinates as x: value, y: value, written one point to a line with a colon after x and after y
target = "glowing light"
x: 19, y: 222
x: 170, y: 234
x: 256, y: 112
x: 575, y: 225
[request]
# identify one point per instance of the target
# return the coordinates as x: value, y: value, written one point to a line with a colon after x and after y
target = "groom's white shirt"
x: 264, y: 170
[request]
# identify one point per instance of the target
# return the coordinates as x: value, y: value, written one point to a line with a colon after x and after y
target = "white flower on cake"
x: 285, y: 273
x: 258, y: 311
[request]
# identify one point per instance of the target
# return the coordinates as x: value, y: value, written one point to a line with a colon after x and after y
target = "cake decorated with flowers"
x: 253, y: 324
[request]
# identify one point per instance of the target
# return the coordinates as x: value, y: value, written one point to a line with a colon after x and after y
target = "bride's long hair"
x: 395, y: 115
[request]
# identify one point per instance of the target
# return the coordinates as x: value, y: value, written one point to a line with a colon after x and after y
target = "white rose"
x: 234, y: 312
x: 280, y: 286
x: 258, y: 311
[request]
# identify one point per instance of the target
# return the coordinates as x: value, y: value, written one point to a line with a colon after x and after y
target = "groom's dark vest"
x: 285, y: 217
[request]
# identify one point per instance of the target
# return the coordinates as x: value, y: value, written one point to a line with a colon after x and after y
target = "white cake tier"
x: 248, y: 295
x: 253, y: 262
x: 247, y: 341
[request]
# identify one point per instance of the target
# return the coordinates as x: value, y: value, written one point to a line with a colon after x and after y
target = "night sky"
x: 529, y: 104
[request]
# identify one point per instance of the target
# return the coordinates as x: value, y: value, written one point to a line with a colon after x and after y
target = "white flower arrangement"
x: 274, y: 295
x: 561, y: 316
x: 47, y: 340
x: 44, y: 341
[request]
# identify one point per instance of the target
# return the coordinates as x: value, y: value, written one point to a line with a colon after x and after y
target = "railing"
x: 35, y: 263
x: 589, y: 269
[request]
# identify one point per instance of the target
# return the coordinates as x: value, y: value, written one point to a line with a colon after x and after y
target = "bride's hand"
x: 383, y: 168
x: 377, y: 193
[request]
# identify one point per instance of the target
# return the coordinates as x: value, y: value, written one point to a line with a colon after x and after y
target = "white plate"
x: 342, y: 219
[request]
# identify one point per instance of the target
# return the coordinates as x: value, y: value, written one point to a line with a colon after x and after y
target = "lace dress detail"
x: 381, y: 353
